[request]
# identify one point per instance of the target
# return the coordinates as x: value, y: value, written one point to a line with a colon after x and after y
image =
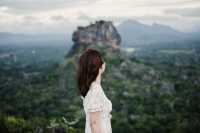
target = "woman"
x: 96, y: 105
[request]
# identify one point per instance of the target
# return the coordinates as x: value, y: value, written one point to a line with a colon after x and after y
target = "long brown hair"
x: 88, y: 68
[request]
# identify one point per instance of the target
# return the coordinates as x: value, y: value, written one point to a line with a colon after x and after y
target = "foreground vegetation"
x: 151, y: 93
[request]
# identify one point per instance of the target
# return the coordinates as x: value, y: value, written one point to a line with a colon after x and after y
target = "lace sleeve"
x: 95, y: 100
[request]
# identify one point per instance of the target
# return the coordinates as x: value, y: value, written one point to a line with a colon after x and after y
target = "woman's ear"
x: 102, y: 67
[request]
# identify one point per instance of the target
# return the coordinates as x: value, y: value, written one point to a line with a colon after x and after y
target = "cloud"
x: 84, y: 17
x: 58, y: 18
x: 55, y: 14
x: 28, y: 6
x: 30, y: 21
x: 89, y: 19
x: 29, y: 18
x: 185, y: 12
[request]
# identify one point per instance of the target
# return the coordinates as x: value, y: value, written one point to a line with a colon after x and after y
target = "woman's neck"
x: 98, y: 79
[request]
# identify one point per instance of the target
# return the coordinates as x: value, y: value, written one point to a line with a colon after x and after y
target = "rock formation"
x: 101, y: 32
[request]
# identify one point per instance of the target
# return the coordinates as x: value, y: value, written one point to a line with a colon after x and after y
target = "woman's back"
x: 96, y: 100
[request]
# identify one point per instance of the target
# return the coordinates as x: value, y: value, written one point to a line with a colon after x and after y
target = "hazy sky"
x: 61, y: 16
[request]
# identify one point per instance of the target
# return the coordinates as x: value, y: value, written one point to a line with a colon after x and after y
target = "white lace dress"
x: 96, y: 100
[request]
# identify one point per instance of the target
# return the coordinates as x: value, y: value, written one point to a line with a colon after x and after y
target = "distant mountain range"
x: 135, y: 33
x: 7, y: 38
x: 132, y: 33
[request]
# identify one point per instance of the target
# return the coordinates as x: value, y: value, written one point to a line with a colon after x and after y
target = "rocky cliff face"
x: 99, y: 33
